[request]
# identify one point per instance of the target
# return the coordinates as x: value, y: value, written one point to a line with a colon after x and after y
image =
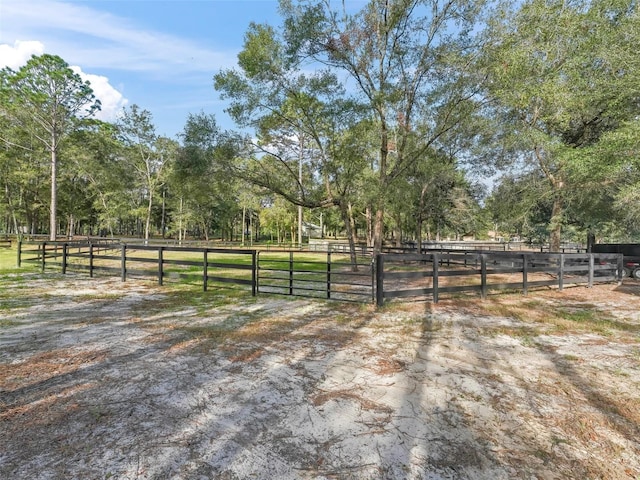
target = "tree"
x: 148, y: 155
x: 22, y: 173
x: 302, y: 122
x: 609, y: 174
x: 206, y: 195
x: 46, y: 99
x: 96, y: 157
x: 520, y: 206
x: 407, y: 65
x: 563, y: 84
x: 278, y: 217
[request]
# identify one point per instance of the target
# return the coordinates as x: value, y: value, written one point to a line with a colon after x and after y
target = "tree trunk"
x: 397, y: 233
x: 205, y: 229
x: 347, y: 217
x: 419, y: 220
x: 70, y: 227
x: 557, y: 184
x: 378, y: 230
x: 556, y: 223
x: 147, y: 225
x: 180, y: 221
x: 12, y: 211
x: 164, y: 211
x: 369, y: 218
x: 244, y: 214
x: 53, y: 223
x: 383, y: 180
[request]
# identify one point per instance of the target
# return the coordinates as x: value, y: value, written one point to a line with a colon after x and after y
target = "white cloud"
x: 97, y: 39
x: 16, y: 56
x: 111, y: 99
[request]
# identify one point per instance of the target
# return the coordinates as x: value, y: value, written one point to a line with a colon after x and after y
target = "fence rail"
x: 284, y: 272
x: 204, y: 265
x: 321, y: 275
x: 429, y: 275
x: 330, y: 275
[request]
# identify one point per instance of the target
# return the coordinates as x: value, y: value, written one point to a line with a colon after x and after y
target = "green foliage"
x: 565, y: 86
x: 408, y: 86
x: 147, y: 155
x: 41, y: 104
x: 371, y: 115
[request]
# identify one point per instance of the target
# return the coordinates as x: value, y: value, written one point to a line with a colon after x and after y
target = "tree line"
x: 401, y: 120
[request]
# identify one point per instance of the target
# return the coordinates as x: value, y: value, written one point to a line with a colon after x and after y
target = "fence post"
x: 65, y: 248
x: 379, y: 280
x: 19, y: 261
x: 123, y: 262
x: 91, y: 259
x: 291, y: 272
x: 254, y: 273
x: 620, y: 267
x: 373, y: 279
x: 561, y: 273
x: 525, y: 273
x: 160, y: 266
x: 328, y: 274
x: 205, y: 270
x: 591, y: 268
x: 483, y: 276
x: 434, y: 258
x: 44, y: 252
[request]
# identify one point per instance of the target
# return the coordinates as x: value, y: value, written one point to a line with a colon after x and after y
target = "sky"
x: 158, y: 54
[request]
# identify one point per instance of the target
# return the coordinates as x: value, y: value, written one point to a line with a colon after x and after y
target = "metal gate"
x: 316, y: 275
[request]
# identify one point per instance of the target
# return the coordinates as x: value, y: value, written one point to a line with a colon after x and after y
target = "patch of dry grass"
x: 44, y: 366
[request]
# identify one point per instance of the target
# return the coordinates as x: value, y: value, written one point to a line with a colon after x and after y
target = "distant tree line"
x: 402, y: 120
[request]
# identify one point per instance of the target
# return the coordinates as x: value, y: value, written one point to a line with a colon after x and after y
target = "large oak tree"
x: 404, y: 66
x: 563, y: 86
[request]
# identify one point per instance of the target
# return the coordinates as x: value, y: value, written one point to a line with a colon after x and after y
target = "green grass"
x: 178, y: 296
x: 8, y: 260
x: 8, y: 323
x: 311, y: 262
x: 596, y: 320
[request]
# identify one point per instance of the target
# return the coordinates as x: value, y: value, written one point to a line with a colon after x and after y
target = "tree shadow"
x: 554, y: 436
x: 629, y: 287
x: 144, y: 408
x: 279, y: 388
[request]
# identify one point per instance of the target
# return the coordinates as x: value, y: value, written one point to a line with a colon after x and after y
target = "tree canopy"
x: 385, y: 121
x: 46, y: 101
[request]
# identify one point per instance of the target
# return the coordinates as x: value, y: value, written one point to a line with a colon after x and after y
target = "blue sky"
x: 160, y: 55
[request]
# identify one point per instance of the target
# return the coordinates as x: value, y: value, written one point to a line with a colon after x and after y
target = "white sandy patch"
x: 113, y: 387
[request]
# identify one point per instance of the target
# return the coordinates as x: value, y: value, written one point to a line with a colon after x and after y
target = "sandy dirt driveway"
x: 107, y: 380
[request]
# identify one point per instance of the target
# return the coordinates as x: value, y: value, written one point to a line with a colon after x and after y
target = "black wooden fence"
x: 295, y: 273
x: 330, y: 275
x: 431, y: 274
x: 319, y: 275
x: 234, y: 267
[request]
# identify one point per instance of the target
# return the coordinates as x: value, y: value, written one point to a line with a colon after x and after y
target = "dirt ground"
x: 101, y: 379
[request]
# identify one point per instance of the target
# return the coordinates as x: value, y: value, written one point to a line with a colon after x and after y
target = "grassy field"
x: 8, y: 260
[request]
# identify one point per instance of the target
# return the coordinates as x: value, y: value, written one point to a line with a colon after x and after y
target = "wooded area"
x: 406, y: 120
